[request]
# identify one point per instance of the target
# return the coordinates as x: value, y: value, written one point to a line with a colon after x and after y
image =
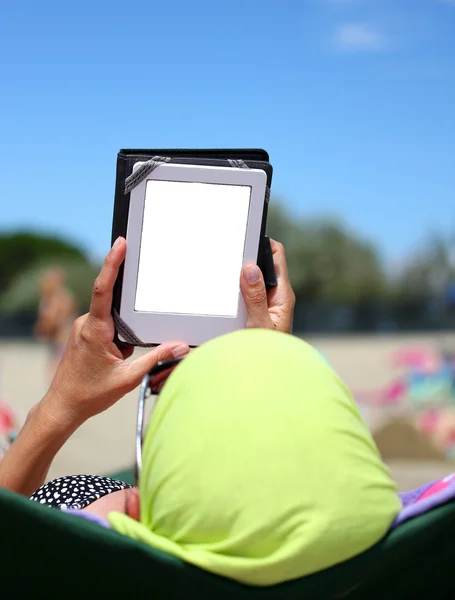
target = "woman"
x: 256, y: 463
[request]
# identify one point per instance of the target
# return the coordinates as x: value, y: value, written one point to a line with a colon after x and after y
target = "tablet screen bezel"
x: 153, y: 327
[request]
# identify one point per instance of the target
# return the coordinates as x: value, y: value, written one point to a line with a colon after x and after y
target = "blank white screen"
x: 192, y: 244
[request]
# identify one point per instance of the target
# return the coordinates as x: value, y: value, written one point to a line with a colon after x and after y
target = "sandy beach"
x: 106, y: 443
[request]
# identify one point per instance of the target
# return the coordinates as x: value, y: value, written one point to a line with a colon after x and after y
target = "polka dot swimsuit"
x: 76, y: 492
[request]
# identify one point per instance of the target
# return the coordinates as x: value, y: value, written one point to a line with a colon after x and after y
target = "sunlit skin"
x: 125, y: 501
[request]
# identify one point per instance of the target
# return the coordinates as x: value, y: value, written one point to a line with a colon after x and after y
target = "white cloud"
x: 359, y: 37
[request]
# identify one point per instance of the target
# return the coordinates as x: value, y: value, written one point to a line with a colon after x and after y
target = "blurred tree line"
x: 329, y: 263
x: 331, y: 270
x: 341, y: 282
x: 24, y: 257
x: 326, y: 262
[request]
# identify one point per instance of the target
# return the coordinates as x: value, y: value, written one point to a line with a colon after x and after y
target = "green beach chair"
x: 49, y: 554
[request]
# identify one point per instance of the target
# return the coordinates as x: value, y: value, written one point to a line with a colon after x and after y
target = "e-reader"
x: 190, y: 223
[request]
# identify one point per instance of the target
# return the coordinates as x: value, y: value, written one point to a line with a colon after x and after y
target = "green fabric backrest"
x: 48, y: 554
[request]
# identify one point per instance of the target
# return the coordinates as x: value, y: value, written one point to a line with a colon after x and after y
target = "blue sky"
x: 354, y: 100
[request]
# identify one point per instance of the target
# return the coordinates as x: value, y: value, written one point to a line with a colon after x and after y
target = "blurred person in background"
x: 56, y: 314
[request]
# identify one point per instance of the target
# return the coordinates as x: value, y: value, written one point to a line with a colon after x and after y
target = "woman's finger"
x: 160, y: 379
x: 100, y: 307
x: 279, y: 260
x: 127, y: 351
x: 284, y: 288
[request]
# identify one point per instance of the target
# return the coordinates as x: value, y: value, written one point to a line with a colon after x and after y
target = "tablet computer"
x: 189, y: 229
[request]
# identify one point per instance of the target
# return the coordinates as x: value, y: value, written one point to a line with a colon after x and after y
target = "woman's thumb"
x: 255, y: 297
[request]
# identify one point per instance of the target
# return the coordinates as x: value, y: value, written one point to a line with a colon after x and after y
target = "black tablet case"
x: 252, y: 158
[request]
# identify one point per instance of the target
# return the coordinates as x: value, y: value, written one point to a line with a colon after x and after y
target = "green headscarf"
x: 257, y: 465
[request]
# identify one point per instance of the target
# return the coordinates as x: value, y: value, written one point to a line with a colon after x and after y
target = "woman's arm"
x: 92, y: 376
x: 25, y: 466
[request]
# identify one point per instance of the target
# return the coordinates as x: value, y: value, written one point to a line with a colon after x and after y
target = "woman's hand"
x: 93, y: 374
x: 91, y: 377
x: 272, y: 308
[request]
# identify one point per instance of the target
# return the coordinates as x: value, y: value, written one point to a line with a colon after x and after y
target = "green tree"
x: 22, y: 295
x: 327, y: 263
x: 429, y: 271
x: 21, y: 250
